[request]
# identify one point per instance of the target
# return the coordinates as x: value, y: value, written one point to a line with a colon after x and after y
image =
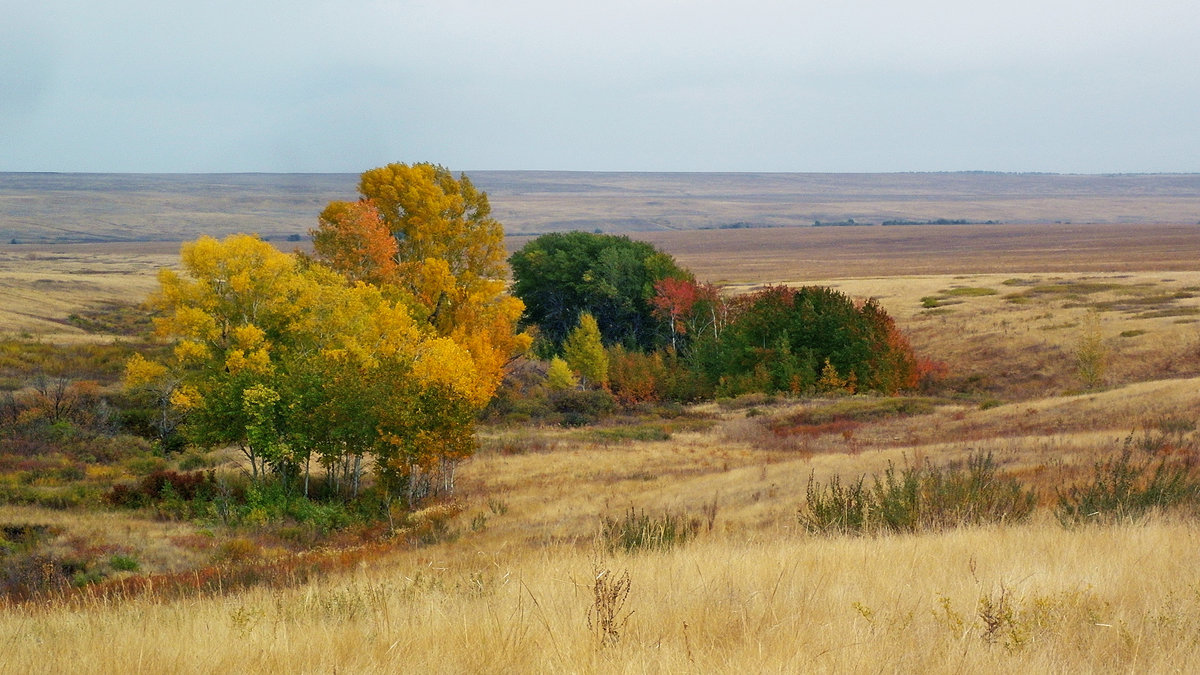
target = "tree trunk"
x: 357, y: 473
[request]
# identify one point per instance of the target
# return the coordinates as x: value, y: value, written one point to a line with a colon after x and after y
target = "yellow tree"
x: 584, y: 351
x: 366, y: 378
x: 429, y: 237
x: 287, y: 361
x: 227, y: 312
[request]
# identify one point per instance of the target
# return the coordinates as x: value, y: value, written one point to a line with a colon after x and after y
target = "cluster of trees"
x: 668, y: 336
x: 381, y: 347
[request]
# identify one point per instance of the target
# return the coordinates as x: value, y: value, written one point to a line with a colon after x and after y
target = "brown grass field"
x: 1004, y: 306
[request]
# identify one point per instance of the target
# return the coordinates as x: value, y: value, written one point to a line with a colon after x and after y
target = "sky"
x: 1069, y: 86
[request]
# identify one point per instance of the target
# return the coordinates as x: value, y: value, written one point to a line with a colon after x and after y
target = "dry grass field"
x: 41, y: 287
x: 800, y: 255
x: 514, y: 587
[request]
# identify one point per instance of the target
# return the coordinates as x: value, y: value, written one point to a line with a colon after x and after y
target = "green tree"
x: 785, y: 339
x: 612, y: 278
x: 584, y: 352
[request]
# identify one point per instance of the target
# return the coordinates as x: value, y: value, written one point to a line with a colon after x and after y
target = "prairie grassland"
x: 800, y: 254
x: 121, y: 207
x: 513, y: 589
x: 40, y: 288
x: 1121, y: 598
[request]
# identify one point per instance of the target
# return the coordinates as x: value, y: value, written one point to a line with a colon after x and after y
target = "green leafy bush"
x: 784, y: 339
x: 914, y: 498
x: 580, y: 407
x: 637, y: 531
x: 1122, y: 487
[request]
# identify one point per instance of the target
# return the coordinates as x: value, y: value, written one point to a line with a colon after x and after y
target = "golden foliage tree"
x: 428, y: 239
x: 559, y: 376
x: 285, y: 360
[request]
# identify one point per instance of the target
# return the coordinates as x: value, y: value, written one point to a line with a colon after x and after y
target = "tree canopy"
x: 804, y: 339
x: 561, y: 275
x: 384, y: 346
x: 288, y: 362
x: 428, y: 240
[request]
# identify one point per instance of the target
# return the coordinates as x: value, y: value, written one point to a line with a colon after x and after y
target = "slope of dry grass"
x: 1036, y: 598
x: 41, y: 288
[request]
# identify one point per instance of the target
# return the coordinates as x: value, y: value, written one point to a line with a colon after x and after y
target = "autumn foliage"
x: 380, y: 350
x: 428, y: 240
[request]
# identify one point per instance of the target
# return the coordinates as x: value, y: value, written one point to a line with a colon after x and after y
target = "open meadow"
x: 1062, y: 346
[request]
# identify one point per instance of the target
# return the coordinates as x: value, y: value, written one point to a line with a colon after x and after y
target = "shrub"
x: 237, y: 550
x: 28, y: 576
x: 164, y: 486
x: 580, y: 407
x: 1123, y: 488
x: 431, y: 525
x: 781, y: 340
x: 916, y: 498
x: 640, y: 532
x: 1091, y: 354
x: 634, y: 377
x: 123, y: 563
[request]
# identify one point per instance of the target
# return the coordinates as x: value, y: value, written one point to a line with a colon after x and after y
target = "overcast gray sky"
x: 1087, y: 86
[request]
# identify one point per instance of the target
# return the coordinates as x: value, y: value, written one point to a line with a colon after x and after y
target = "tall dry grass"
x: 1035, y: 598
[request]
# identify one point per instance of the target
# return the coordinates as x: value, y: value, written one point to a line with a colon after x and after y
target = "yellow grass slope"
x: 1034, y: 599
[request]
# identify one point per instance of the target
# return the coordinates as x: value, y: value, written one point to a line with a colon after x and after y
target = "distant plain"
x: 58, y: 208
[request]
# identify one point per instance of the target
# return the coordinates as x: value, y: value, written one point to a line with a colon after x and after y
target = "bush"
x: 580, y: 407
x: 29, y: 576
x: 165, y: 485
x: 640, y: 532
x: 123, y: 563
x: 918, y: 498
x: 790, y: 340
x: 1123, y: 488
x: 635, y: 377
